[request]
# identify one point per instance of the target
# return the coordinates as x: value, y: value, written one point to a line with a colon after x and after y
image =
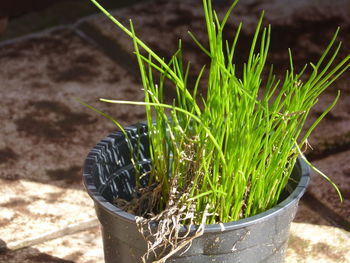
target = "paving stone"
x: 333, y: 133
x: 322, y: 244
x: 30, y: 209
x: 286, y: 13
x: 306, y: 215
x: 161, y: 23
x: 308, y: 243
x: 83, y: 247
x: 30, y: 255
x: 27, y: 18
x: 337, y: 167
x: 46, y: 134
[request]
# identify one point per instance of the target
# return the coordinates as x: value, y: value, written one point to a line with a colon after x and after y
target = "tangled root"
x: 172, y: 229
x: 164, y: 233
x: 144, y: 201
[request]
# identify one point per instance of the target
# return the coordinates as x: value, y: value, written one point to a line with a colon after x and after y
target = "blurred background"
x: 55, y: 51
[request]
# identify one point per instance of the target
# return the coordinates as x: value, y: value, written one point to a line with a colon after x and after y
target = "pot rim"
x: 293, y: 198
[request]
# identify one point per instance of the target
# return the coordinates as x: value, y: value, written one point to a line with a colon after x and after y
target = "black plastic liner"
x: 109, y: 173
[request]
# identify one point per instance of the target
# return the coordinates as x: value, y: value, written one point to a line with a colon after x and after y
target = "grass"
x: 237, y: 151
x: 228, y: 155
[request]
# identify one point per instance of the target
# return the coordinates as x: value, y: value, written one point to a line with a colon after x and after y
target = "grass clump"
x: 229, y: 155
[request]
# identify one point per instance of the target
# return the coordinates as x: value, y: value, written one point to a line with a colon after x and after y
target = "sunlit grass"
x: 236, y: 152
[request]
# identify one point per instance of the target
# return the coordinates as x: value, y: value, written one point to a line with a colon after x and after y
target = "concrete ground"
x: 46, y: 133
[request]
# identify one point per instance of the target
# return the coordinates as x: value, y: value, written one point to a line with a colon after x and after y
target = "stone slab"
x: 157, y: 20
x: 83, y: 247
x: 337, y: 167
x: 332, y: 135
x: 26, y: 18
x: 308, y: 243
x: 30, y: 209
x: 307, y: 215
x: 317, y: 244
x: 46, y: 134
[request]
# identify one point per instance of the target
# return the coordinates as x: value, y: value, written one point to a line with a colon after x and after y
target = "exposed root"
x: 143, y: 203
x: 165, y: 232
x: 171, y: 230
x: 166, y: 236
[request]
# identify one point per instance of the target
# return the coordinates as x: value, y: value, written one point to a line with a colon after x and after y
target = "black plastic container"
x: 108, y: 173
